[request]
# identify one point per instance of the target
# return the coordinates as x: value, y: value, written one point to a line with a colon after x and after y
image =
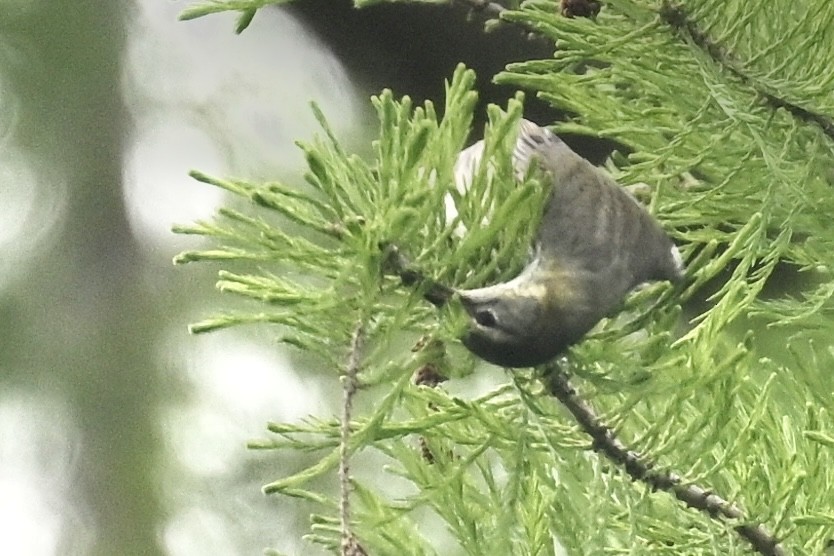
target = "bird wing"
x: 592, y: 224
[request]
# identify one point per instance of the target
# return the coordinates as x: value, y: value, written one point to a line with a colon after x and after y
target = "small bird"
x: 595, y: 243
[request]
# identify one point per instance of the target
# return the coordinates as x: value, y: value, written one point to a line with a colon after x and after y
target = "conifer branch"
x: 350, y: 384
x: 604, y: 439
x: 675, y: 16
x: 641, y: 469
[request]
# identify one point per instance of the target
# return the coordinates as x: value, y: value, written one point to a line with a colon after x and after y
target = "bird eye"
x: 485, y: 317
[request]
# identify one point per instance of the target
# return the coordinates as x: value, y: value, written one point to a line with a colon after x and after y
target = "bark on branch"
x: 641, y: 469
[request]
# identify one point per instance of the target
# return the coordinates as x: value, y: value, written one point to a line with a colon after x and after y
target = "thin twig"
x: 350, y: 384
x: 641, y: 469
x: 428, y: 374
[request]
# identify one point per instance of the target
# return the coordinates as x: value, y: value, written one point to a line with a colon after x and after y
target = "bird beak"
x: 478, y: 295
x: 474, y: 299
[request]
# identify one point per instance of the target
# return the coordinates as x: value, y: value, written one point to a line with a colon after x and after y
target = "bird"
x: 594, y: 244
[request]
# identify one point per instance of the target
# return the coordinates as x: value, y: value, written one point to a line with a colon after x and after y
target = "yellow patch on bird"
x: 559, y: 285
x: 536, y: 290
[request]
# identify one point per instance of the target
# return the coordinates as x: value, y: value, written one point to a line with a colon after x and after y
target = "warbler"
x: 595, y: 243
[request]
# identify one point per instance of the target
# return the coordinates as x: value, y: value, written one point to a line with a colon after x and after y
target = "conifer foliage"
x: 726, y: 112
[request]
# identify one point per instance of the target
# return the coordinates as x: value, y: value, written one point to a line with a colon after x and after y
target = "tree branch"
x: 350, y: 384
x: 675, y: 15
x: 641, y: 469
x: 604, y: 440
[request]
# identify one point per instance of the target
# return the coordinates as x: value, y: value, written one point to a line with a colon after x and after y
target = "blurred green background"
x: 119, y: 432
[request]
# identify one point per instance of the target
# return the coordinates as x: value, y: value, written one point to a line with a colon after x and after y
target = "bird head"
x: 501, y: 327
x: 528, y: 320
